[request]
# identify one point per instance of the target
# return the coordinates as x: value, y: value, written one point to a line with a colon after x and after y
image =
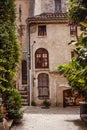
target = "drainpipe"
x: 29, y: 65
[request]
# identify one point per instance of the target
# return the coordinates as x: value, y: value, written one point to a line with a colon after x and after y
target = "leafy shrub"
x: 46, y: 103
x: 12, y: 101
x: 33, y: 103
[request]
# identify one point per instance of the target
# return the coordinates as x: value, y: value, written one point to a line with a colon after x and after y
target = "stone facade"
x: 22, y: 12
x: 45, y: 6
x: 55, y: 42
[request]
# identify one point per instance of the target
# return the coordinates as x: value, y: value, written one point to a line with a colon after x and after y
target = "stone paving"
x: 54, y: 118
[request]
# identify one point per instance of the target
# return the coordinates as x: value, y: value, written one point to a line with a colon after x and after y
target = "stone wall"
x: 45, y: 6
x: 58, y: 36
x: 56, y: 43
x: 22, y: 12
x: 22, y: 8
x: 31, y: 7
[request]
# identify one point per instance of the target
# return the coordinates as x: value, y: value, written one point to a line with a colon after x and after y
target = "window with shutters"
x: 24, y: 72
x: 43, y: 86
x: 57, y: 5
x: 41, y: 58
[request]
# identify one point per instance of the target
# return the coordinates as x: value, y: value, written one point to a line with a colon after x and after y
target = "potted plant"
x: 12, y: 104
x: 46, y: 104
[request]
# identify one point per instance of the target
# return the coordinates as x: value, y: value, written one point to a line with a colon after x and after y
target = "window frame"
x: 42, y: 30
x: 24, y: 72
x: 57, y: 6
x: 41, y: 58
x: 73, y: 30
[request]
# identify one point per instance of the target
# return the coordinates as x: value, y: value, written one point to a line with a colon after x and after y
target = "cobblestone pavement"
x: 57, y: 118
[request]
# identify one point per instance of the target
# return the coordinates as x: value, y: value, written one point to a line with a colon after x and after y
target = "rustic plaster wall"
x: 56, y: 43
x: 45, y: 6
x: 22, y: 12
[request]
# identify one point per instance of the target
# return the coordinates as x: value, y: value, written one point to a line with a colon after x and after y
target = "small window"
x: 73, y: 30
x: 57, y: 5
x: 41, y: 58
x: 42, y: 30
x: 43, y: 86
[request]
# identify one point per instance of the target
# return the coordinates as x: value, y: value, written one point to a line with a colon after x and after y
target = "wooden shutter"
x: 43, y: 86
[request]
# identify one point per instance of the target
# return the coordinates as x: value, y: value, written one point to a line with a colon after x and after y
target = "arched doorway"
x: 43, y: 86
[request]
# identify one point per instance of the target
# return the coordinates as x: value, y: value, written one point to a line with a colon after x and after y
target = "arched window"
x: 24, y: 72
x: 43, y: 86
x: 41, y: 58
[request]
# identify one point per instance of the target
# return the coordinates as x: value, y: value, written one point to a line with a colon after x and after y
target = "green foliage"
x: 9, y: 46
x: 9, y: 58
x: 46, y: 103
x: 7, y: 11
x: 9, y: 51
x: 77, y: 10
x: 76, y: 70
x: 33, y: 103
x: 12, y: 102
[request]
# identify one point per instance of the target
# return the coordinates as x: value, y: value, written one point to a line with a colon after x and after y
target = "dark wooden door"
x: 43, y: 86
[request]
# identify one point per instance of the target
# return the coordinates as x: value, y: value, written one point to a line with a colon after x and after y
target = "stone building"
x: 44, y: 35
x: 22, y: 11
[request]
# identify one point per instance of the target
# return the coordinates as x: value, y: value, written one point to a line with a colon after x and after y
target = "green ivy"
x: 9, y: 58
x: 77, y: 10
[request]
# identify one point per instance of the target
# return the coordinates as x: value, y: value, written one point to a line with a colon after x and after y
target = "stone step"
x: 23, y: 87
x: 23, y: 92
x: 24, y: 96
x: 24, y: 100
x: 24, y: 103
